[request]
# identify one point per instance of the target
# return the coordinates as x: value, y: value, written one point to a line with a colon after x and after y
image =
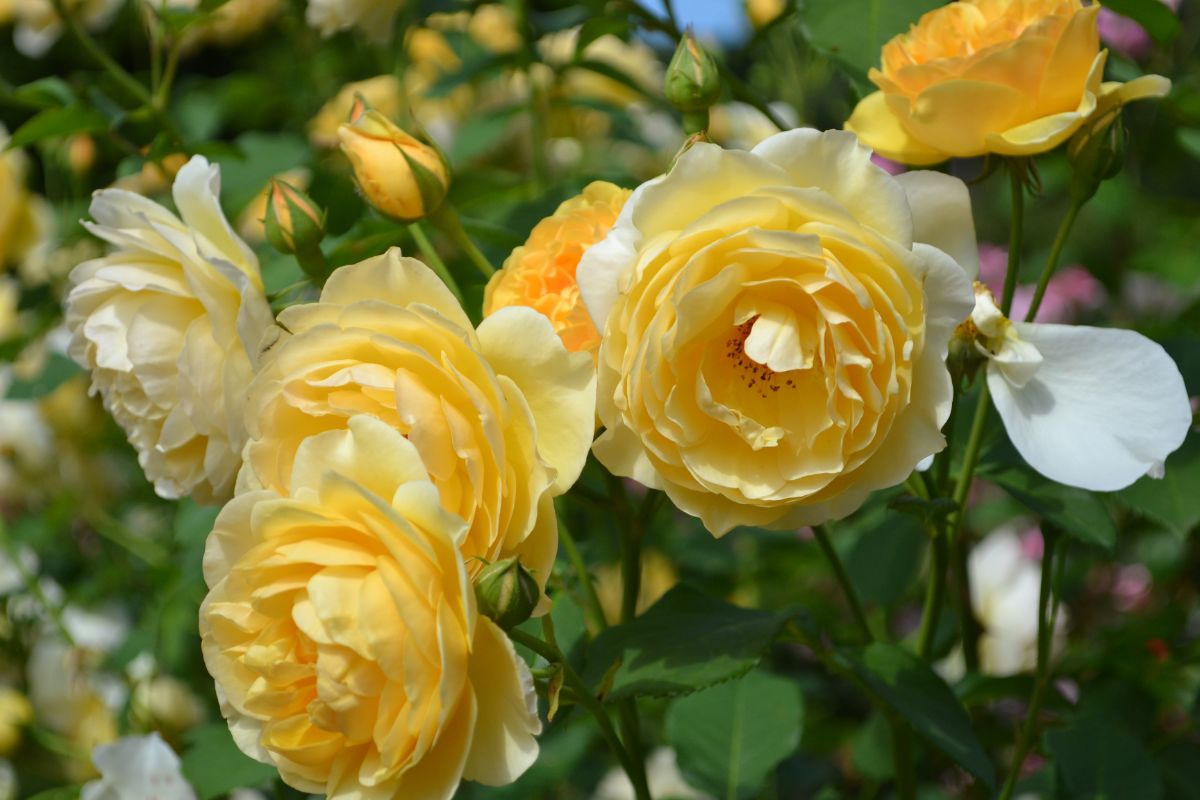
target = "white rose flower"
x: 169, y: 323
x: 1095, y: 408
x: 137, y: 768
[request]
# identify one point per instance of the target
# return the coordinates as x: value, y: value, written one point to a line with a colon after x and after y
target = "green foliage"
x: 1076, y: 512
x: 685, y: 642
x: 852, y: 32
x: 214, y: 765
x: 916, y: 693
x: 729, y: 738
x: 1171, y: 500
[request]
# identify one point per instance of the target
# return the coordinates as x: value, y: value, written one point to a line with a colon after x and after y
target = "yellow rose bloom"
x: 26, y: 220
x: 541, y: 273
x: 169, y: 325
x: 15, y: 713
x: 1013, y: 77
x: 502, y: 416
x: 342, y: 631
x: 775, y: 325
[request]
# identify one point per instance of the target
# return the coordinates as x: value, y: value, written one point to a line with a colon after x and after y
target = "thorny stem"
x: 633, y: 767
x: 1016, y: 226
x: 935, y: 593
x: 962, y: 489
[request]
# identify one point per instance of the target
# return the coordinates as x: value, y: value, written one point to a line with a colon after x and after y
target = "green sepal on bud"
x: 693, y: 83
x: 294, y: 223
x: 1096, y: 153
x: 506, y: 593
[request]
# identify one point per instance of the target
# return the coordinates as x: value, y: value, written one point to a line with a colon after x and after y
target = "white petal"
x: 504, y: 745
x: 196, y: 192
x: 602, y: 265
x: 1106, y: 407
x: 559, y: 386
x: 941, y: 209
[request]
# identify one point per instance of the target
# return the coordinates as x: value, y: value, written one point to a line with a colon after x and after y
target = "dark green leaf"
x: 1102, y: 761
x: 729, y: 738
x: 57, y: 371
x: 62, y: 793
x: 1153, y: 15
x: 853, y: 32
x: 1171, y: 500
x: 58, y: 122
x: 1078, y: 513
x: 596, y: 27
x: 908, y: 685
x: 214, y: 765
x: 685, y: 642
x: 885, y: 558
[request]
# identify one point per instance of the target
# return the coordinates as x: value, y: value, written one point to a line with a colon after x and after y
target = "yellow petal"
x: 880, y: 129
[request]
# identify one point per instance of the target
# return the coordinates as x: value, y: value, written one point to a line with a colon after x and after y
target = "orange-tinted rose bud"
x: 401, y: 176
x: 294, y: 223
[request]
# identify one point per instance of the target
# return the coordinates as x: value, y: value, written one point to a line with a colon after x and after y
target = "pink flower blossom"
x: 1124, y: 35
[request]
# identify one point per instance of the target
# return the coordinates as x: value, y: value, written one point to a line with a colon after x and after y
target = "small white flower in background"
x: 11, y: 577
x: 1095, y: 408
x: 1005, y: 589
x: 137, y: 768
x: 373, y: 17
x: 38, y: 26
x: 169, y: 324
x: 662, y: 774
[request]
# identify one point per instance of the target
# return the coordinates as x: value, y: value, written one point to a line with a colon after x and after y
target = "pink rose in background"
x: 1124, y: 35
x: 1070, y: 292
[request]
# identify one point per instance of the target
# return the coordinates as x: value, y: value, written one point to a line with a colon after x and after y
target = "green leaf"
x: 45, y: 92
x: 214, y: 765
x: 1171, y: 500
x: 908, y: 685
x: 685, y: 642
x: 1078, y: 513
x: 729, y: 738
x: 1158, y: 20
x: 58, y: 370
x: 62, y: 793
x: 1102, y: 761
x: 852, y: 32
x: 596, y: 27
x: 58, y: 122
x: 885, y: 558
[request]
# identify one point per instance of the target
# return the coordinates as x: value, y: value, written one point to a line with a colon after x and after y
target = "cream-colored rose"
x: 775, y: 324
x: 342, y: 631
x: 1013, y: 77
x: 38, y: 26
x: 169, y: 324
x: 372, y: 17
x: 502, y: 416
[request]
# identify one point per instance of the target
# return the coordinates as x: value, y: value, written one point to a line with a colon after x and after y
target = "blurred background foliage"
x: 529, y: 110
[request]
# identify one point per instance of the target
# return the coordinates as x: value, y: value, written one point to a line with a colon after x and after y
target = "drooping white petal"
x: 1105, y: 407
x: 941, y: 210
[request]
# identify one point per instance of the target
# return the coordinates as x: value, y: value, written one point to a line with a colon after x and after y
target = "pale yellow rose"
x: 26, y: 220
x: 502, y: 416
x: 382, y: 93
x: 775, y: 324
x: 15, y: 713
x: 1012, y: 77
x: 342, y: 630
x: 374, y: 18
x: 541, y: 273
x: 169, y: 324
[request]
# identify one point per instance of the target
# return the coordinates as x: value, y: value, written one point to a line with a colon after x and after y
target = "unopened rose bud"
x: 1096, y: 153
x: 506, y: 592
x: 294, y: 223
x: 693, y: 83
x: 401, y: 176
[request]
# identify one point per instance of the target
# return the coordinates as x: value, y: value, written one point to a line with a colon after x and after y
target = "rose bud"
x: 294, y: 223
x: 506, y: 592
x: 401, y: 176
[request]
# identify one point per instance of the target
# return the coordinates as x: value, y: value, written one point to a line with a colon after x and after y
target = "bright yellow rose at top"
x: 169, y: 324
x: 342, y: 631
x: 1012, y: 77
x: 541, y: 273
x: 502, y: 416
x: 775, y: 326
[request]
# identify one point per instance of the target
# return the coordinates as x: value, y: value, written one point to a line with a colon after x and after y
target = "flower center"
x: 755, y: 376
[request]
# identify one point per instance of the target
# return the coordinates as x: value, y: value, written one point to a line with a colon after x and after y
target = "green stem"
x: 1060, y: 239
x: 843, y: 578
x: 902, y: 757
x: 935, y: 594
x: 1016, y: 226
x: 1047, y: 618
x: 312, y: 260
x: 32, y: 585
x: 592, y: 609
x: 433, y: 259
x: 447, y: 220
x: 636, y: 770
x: 962, y: 489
